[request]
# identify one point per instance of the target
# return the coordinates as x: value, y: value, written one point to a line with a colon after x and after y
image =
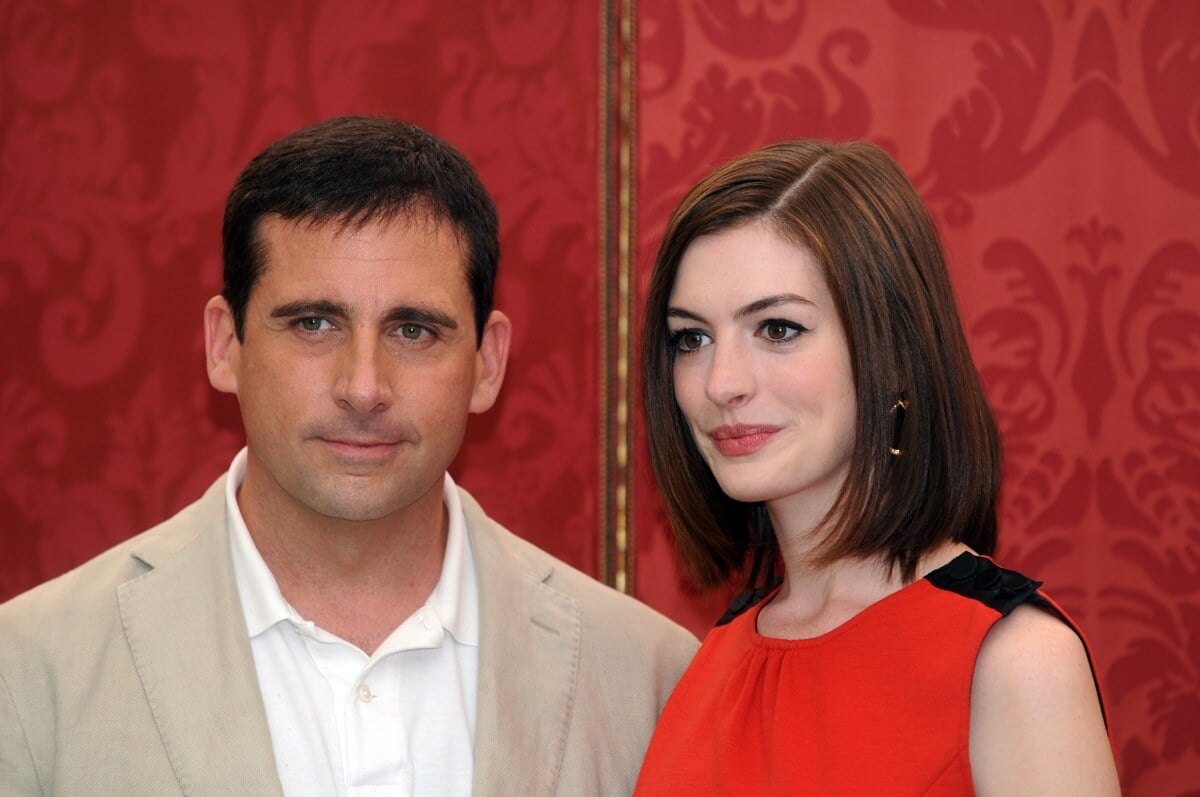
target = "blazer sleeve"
x: 18, y: 775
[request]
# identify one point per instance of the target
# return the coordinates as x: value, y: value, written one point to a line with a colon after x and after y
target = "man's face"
x: 358, y: 367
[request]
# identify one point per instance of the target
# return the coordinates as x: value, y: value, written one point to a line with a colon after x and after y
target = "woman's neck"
x: 817, y: 598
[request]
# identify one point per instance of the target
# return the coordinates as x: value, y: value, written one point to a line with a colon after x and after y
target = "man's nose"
x: 364, y: 377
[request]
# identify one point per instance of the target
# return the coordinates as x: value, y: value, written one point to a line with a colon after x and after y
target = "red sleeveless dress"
x: 878, y: 706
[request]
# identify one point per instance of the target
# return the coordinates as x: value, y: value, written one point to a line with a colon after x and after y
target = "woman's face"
x: 762, y: 370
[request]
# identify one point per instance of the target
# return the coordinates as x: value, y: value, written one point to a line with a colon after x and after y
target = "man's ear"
x: 491, y: 361
x: 221, y: 346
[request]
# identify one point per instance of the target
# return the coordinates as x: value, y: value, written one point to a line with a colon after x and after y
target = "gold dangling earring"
x: 898, y: 409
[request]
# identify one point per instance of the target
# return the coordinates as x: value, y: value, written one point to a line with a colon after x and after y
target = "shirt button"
x: 364, y: 693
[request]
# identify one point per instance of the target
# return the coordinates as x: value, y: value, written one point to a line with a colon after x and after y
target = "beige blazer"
x: 132, y: 675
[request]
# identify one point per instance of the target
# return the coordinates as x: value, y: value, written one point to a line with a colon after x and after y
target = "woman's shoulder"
x: 1030, y: 651
x: 1033, y: 643
x: 1037, y: 725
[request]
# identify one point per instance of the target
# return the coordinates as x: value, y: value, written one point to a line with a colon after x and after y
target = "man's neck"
x: 357, y: 579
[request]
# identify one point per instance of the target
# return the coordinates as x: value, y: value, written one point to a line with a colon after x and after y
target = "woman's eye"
x: 780, y: 330
x: 690, y: 340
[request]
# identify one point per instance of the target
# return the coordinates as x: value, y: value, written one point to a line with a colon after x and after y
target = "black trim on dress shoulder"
x: 981, y: 579
x: 1003, y: 590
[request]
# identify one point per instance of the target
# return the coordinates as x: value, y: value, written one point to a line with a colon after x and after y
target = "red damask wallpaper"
x: 1057, y: 142
x: 1058, y: 145
x: 124, y: 124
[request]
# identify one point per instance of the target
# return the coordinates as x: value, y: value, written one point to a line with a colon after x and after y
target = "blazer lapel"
x: 528, y: 666
x: 184, y: 625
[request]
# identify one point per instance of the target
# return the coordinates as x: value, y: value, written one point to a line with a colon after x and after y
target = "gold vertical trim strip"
x: 616, y: 161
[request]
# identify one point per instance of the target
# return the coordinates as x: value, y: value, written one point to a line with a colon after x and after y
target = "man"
x: 334, y: 616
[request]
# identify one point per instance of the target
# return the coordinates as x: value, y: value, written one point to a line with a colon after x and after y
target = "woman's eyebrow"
x: 679, y: 312
x: 757, y: 306
x: 768, y: 302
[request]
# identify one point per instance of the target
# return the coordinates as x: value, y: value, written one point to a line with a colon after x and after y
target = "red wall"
x: 1056, y: 142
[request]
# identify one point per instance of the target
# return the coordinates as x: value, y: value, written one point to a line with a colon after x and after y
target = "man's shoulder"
x: 90, y: 589
x: 601, y: 606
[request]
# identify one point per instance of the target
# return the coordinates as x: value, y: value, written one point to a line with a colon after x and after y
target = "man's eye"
x: 313, y: 324
x: 412, y: 331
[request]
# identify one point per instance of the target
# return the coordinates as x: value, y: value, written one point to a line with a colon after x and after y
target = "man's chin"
x: 355, y: 511
x: 363, y: 506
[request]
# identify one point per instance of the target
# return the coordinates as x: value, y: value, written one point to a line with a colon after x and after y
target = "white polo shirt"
x: 398, y: 722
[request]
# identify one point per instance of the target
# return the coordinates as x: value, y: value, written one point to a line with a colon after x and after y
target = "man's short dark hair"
x: 352, y: 171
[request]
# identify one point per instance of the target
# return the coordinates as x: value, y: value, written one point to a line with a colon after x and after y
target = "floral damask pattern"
x: 123, y: 127
x: 1056, y: 146
x: 1055, y: 142
x: 1116, y: 384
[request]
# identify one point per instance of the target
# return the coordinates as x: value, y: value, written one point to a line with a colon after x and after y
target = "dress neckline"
x: 908, y: 592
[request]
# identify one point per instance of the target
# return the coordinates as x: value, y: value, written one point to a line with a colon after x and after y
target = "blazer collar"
x: 528, y: 664
x: 186, y: 633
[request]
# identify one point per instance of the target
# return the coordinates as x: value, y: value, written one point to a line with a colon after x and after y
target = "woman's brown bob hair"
x: 855, y: 211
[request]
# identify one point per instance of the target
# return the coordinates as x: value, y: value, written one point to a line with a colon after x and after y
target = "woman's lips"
x: 741, y: 440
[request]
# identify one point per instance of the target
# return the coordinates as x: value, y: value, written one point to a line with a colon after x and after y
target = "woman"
x: 817, y: 426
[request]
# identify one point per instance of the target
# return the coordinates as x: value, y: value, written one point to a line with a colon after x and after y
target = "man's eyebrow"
x: 406, y: 314
x: 403, y: 314
x: 304, y: 307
